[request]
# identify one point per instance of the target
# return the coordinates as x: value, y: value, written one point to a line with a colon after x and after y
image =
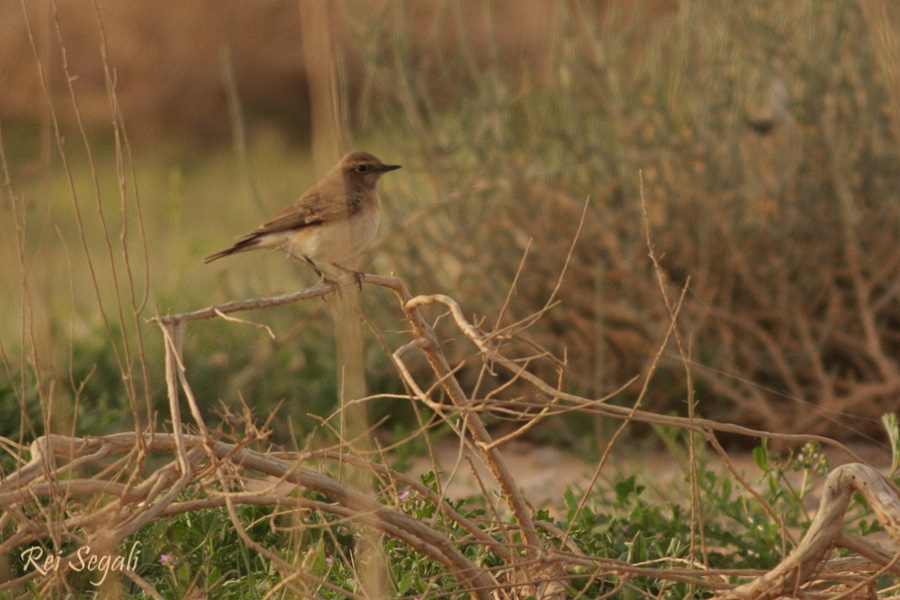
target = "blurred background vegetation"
x: 763, y: 137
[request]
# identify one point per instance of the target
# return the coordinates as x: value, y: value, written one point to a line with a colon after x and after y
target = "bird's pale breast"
x: 336, y: 241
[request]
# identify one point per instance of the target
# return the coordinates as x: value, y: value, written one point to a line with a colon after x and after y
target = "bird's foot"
x: 334, y: 284
x: 323, y: 278
x: 357, y: 275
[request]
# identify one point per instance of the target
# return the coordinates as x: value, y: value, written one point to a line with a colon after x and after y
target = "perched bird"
x: 332, y: 222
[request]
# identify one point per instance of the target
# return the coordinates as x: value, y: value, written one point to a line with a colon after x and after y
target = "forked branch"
x: 536, y: 560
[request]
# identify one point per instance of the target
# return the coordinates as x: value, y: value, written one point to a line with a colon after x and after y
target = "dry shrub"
x: 97, y: 491
x: 70, y: 493
x: 788, y: 240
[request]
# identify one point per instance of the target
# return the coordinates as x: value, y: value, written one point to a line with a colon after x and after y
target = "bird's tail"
x: 242, y: 246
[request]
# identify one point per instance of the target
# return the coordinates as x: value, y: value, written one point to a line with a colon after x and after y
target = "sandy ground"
x: 544, y: 472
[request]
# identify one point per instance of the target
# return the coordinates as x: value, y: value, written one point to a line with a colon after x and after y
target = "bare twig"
x: 219, y: 470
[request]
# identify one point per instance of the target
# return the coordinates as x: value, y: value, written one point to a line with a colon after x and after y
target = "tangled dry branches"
x: 97, y: 492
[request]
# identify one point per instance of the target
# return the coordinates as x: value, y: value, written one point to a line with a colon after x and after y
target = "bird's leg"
x: 323, y: 278
x: 357, y: 275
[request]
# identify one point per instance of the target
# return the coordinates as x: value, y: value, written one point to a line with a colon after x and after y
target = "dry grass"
x: 767, y: 308
x: 533, y: 557
x: 789, y: 238
x: 168, y: 56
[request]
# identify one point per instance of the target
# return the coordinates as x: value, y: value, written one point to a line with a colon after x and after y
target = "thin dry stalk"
x: 215, y: 473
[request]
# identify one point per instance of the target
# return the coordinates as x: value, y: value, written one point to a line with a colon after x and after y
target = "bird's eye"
x: 362, y: 168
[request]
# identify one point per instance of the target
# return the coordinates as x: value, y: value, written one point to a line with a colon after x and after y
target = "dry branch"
x: 207, y: 472
x: 350, y: 503
x: 826, y: 531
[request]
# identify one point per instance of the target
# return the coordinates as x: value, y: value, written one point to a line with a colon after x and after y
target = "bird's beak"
x: 386, y: 168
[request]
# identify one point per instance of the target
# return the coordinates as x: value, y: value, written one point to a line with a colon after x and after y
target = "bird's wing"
x: 312, y: 209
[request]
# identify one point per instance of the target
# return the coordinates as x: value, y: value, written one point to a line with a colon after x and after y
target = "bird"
x: 330, y: 223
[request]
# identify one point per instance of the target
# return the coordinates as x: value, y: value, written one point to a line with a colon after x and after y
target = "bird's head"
x: 364, y: 168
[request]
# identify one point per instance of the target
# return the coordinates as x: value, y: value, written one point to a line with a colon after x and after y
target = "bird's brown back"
x: 340, y: 194
x: 348, y: 189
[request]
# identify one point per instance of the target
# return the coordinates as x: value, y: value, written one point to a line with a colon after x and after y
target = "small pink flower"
x: 164, y: 558
x: 403, y: 495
